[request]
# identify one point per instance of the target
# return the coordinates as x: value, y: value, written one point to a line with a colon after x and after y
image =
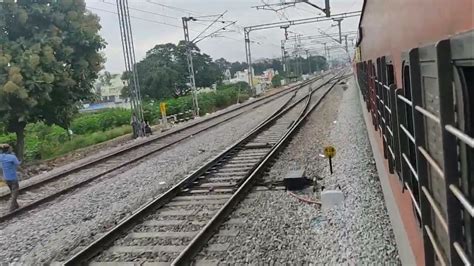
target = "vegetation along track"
x: 58, y: 184
x: 173, y: 227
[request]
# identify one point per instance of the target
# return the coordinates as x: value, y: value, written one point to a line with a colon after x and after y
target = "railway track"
x: 173, y: 227
x: 33, y: 195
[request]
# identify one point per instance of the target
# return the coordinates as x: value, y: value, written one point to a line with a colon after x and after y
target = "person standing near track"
x: 9, y: 164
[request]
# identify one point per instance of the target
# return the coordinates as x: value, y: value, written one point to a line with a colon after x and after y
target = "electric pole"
x: 189, y: 55
x: 309, y: 61
x: 189, y: 59
x: 338, y: 21
x: 130, y: 65
x: 248, y: 56
x: 283, y: 49
x: 347, y: 48
x: 325, y: 50
x: 283, y: 59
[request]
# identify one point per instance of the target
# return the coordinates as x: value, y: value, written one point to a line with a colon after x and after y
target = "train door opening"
x: 462, y: 57
x: 464, y: 80
x: 410, y: 157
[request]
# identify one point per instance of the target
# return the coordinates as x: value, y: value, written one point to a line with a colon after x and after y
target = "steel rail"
x: 63, y: 191
x: 200, y: 240
x: 95, y: 161
x: 127, y: 223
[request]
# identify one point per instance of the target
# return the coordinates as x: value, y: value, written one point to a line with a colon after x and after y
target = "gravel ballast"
x: 53, y: 231
x: 280, y: 229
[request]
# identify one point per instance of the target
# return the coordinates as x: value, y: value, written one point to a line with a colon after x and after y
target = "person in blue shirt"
x: 9, y: 164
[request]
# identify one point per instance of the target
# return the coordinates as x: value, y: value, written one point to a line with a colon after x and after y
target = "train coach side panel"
x: 392, y: 26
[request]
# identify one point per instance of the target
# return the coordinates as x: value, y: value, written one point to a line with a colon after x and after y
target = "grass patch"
x: 44, y: 142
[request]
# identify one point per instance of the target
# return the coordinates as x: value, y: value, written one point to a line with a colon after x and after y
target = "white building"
x: 111, y: 92
x: 240, y: 76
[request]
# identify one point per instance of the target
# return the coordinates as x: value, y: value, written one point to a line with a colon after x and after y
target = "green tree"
x: 163, y: 72
x: 237, y: 66
x: 223, y: 64
x: 276, y: 80
x: 49, y: 60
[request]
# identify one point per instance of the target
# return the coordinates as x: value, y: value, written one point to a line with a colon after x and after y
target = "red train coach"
x: 415, y: 70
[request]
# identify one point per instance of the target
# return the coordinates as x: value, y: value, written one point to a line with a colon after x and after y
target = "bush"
x: 276, y: 80
x: 208, y: 102
x: 44, y: 141
x: 100, y: 121
x: 49, y: 150
x: 8, y: 139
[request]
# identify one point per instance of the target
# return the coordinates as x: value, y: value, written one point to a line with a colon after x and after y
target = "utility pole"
x: 2, y: 22
x: 280, y: 24
x: 189, y: 59
x: 309, y: 61
x: 248, y: 56
x: 325, y: 50
x: 130, y: 64
x: 338, y: 21
x: 295, y: 54
x: 347, y: 48
x: 283, y: 59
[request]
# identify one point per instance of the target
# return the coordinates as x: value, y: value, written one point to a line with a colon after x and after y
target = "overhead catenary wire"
x: 144, y: 11
x: 162, y: 15
x: 197, y: 14
x: 139, y: 18
x: 209, y: 26
x: 160, y: 22
x: 212, y: 33
x: 174, y: 8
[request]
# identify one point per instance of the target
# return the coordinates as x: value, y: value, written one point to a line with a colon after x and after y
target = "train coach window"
x: 467, y: 80
x: 468, y: 84
x: 390, y: 75
x: 411, y: 149
x: 466, y: 153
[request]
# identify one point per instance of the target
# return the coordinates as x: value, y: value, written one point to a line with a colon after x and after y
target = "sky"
x: 159, y: 21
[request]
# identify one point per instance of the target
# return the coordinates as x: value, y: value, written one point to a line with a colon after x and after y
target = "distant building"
x: 111, y: 92
x: 227, y: 75
x: 239, y: 76
x: 268, y: 75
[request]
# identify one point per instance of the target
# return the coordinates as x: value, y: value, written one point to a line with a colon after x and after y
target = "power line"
x: 143, y: 19
x: 213, y: 33
x: 144, y: 11
x: 173, y: 8
x: 236, y: 25
x: 210, y: 25
x: 167, y: 16
x: 157, y: 22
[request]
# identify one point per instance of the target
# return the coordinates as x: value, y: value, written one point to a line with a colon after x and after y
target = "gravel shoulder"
x: 53, y: 231
x: 280, y: 229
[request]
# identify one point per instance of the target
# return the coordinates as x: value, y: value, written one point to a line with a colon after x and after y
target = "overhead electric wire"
x: 144, y: 11
x: 239, y: 27
x: 144, y: 19
x: 174, y: 8
x: 214, y: 32
x: 210, y: 25
x: 261, y: 38
x: 156, y: 22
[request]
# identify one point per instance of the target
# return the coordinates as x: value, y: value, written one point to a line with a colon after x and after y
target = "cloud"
x: 167, y: 26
